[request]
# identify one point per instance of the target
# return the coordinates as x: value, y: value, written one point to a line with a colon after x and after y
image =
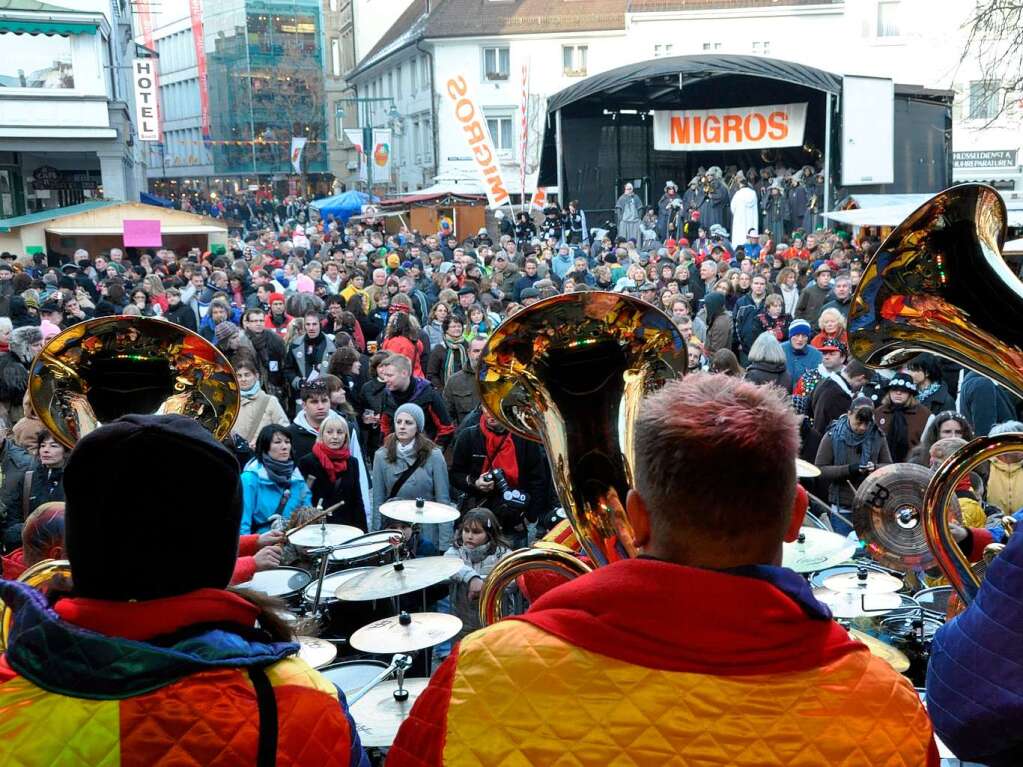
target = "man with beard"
x: 460, y: 393
x: 271, y: 352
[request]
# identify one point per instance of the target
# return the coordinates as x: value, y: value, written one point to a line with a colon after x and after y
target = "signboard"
x: 868, y: 130
x: 147, y: 111
x: 992, y: 158
x: 297, y: 145
x: 695, y: 130
x: 477, y: 135
x: 142, y: 233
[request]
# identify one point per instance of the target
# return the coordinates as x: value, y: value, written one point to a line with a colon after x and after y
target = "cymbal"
x: 853, y: 604
x: 864, y: 581
x: 318, y: 535
x: 405, y: 633
x: 379, y: 715
x: 806, y: 470
x: 890, y: 655
x: 315, y: 651
x: 886, y: 515
x: 400, y: 578
x: 816, y: 549
x: 419, y: 512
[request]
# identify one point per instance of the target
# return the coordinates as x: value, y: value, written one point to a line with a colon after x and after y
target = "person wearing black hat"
x: 148, y: 658
x: 901, y: 417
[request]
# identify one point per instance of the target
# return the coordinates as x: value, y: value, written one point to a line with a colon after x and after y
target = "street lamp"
x: 367, y: 129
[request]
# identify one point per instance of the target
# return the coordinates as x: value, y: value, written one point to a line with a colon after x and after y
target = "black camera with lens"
x: 514, y: 499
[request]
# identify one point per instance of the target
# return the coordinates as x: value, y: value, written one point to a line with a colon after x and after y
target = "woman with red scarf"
x: 332, y: 473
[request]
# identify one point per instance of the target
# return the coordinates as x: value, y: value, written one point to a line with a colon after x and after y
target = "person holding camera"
x: 852, y: 448
x: 502, y: 472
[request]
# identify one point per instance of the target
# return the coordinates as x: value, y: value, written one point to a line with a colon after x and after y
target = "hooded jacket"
x: 438, y: 422
x: 261, y: 497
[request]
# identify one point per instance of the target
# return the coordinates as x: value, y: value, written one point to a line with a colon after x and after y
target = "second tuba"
x: 570, y: 372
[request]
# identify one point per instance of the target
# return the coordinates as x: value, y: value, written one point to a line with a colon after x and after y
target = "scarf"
x: 898, y: 433
x: 478, y: 554
x: 844, y: 439
x: 928, y: 392
x: 279, y: 472
x: 251, y: 393
x: 334, y: 461
x: 454, y: 357
x: 500, y: 451
x: 408, y: 452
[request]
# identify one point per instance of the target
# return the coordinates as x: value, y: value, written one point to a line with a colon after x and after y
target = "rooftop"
x: 7, y: 224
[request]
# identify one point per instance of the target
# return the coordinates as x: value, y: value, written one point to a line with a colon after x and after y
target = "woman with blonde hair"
x: 332, y: 472
x: 832, y: 328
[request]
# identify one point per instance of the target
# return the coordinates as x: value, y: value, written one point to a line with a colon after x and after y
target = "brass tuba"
x: 939, y: 283
x: 37, y: 576
x: 570, y: 372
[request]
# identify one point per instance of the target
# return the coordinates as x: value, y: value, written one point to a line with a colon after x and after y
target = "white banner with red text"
x: 470, y: 119
x: 702, y: 130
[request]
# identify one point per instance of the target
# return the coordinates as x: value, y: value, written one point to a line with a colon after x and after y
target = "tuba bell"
x: 939, y: 283
x: 38, y: 576
x: 570, y: 372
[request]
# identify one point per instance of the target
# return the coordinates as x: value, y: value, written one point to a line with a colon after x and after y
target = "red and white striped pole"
x: 524, y: 135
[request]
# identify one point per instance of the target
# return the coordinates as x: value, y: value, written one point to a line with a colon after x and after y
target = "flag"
x: 539, y: 200
x: 297, y: 145
x: 381, y: 157
x: 355, y: 136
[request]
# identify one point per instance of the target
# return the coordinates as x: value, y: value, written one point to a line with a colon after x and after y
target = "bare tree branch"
x: 995, y: 43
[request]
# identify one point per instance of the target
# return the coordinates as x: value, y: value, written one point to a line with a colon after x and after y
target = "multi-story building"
x: 339, y: 46
x: 66, y: 106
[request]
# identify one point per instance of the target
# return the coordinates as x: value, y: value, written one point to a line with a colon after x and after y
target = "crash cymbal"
x: 816, y: 549
x: 379, y: 715
x: 399, y: 578
x: 419, y: 512
x: 893, y: 657
x: 407, y: 632
x: 315, y: 651
x: 886, y: 515
x: 864, y: 581
x: 806, y: 470
x: 317, y: 535
x: 854, y: 604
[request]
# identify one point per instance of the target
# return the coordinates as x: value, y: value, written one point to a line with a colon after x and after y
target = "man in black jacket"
x: 179, y: 313
x: 485, y: 447
x: 402, y: 387
x: 271, y: 352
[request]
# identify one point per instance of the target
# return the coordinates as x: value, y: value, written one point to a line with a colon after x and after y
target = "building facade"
x: 66, y: 107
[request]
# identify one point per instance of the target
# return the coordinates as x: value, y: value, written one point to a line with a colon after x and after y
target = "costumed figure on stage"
x: 714, y: 206
x: 747, y: 669
x: 574, y: 222
x: 629, y: 209
x: 745, y: 213
x: 667, y: 211
x: 776, y: 211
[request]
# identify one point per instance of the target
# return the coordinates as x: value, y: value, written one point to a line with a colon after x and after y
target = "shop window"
x: 983, y: 99
x: 36, y: 61
x: 496, y: 63
x: 335, y: 57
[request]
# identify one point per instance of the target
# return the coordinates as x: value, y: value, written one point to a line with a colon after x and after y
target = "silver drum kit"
x: 365, y: 600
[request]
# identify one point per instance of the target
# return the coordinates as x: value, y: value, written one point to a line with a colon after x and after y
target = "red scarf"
x: 500, y: 453
x: 334, y: 461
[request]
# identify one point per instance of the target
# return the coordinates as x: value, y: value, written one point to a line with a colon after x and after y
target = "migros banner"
x: 695, y: 130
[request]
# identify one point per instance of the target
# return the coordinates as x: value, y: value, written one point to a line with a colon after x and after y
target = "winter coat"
x: 429, y: 481
x: 45, y: 485
x: 1005, y: 486
x: 839, y: 476
x: 776, y: 217
x: 14, y: 462
x: 438, y: 423
x: 346, y: 488
x: 460, y: 394
x: 298, y: 368
x: 811, y: 303
x: 983, y: 403
x: 798, y: 362
x: 13, y: 385
x: 831, y: 399
x: 461, y: 605
x: 435, y: 364
x: 194, y: 697
x: 262, y: 498
x: 939, y: 401
x: 719, y: 334
x: 762, y: 373
x: 916, y: 421
x: 247, y: 427
x: 182, y: 315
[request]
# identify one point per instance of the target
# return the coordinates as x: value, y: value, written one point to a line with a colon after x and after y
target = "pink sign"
x: 142, y: 233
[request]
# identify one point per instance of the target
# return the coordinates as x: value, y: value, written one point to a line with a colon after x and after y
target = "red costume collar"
x: 144, y: 620
x: 667, y: 616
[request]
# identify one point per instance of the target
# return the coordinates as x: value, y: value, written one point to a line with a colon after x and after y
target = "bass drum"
x: 350, y: 676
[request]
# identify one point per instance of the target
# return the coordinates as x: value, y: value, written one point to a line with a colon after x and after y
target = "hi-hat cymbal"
x: 854, y: 604
x: 379, y: 715
x: 399, y: 578
x: 419, y: 512
x: 405, y: 633
x: 315, y: 651
x: 806, y: 470
x: 317, y: 535
x: 864, y: 581
x: 886, y: 515
x: 816, y: 549
x: 893, y: 657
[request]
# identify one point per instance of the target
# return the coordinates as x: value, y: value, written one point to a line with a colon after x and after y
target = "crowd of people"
x: 356, y: 350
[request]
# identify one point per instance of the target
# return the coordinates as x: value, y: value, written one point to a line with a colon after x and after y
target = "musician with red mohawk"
x: 701, y: 651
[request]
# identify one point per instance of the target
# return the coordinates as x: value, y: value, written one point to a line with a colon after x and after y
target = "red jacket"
x: 245, y: 565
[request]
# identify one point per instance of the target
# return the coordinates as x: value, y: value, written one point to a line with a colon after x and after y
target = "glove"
x: 855, y: 469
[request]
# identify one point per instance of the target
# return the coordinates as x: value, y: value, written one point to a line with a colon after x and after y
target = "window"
x: 501, y: 132
x: 424, y: 74
x: 417, y: 140
x: 574, y: 60
x: 390, y: 84
x: 496, y: 63
x: 712, y: 46
x: 983, y: 100
x: 413, y: 77
x: 397, y: 82
x: 36, y: 61
x: 427, y: 140
x: 761, y: 48
x: 333, y: 5
x: 335, y: 57
x: 663, y: 50
x: 887, y: 18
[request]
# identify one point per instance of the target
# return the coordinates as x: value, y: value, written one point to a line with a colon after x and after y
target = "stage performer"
x: 150, y: 660
x: 629, y: 209
x: 703, y: 651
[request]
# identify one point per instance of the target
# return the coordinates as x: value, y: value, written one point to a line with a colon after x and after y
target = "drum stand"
x: 399, y: 665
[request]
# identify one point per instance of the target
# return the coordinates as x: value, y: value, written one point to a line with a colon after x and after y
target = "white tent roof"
x: 893, y: 209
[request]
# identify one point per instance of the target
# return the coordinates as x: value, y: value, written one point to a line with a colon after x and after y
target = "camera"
x: 514, y: 499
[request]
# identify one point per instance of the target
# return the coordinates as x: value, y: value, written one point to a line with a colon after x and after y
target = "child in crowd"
x: 480, y: 545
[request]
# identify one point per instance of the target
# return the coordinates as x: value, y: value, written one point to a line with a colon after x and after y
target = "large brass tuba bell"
x: 107, y: 367
x: 570, y: 372
x: 938, y: 283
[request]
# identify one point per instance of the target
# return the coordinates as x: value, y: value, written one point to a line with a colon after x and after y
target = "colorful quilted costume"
x: 210, y: 692
x: 975, y: 675
x: 649, y: 663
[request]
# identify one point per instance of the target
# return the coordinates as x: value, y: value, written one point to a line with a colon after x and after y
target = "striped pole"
x: 524, y: 135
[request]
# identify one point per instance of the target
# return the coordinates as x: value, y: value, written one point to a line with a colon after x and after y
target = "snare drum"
x: 371, y: 550
x: 284, y: 583
x: 352, y: 675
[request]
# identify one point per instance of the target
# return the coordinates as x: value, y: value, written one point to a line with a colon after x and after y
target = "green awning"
x: 45, y: 27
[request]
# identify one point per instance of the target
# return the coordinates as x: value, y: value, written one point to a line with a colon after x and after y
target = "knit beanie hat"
x: 118, y: 532
x: 800, y: 326
x: 225, y: 330
x: 412, y: 409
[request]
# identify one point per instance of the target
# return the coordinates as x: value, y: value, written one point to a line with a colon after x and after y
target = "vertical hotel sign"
x: 199, y: 38
x: 147, y: 113
x: 477, y: 135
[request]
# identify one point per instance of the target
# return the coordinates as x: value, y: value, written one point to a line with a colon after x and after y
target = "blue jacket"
x: 562, y: 265
x: 261, y: 497
x: 975, y: 675
x: 808, y: 358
